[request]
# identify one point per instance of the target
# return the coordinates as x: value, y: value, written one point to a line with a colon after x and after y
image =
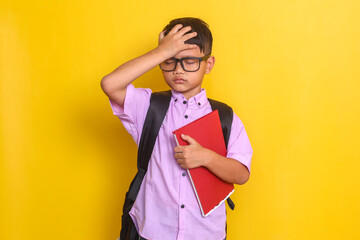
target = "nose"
x: 178, y: 68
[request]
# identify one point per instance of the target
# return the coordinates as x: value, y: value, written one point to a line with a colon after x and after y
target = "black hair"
x: 203, y: 39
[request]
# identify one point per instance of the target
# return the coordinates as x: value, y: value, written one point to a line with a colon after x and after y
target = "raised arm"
x: 115, y: 83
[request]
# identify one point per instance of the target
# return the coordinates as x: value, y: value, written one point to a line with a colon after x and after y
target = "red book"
x: 210, y: 190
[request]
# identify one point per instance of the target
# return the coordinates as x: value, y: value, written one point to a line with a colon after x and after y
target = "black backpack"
x: 159, y: 104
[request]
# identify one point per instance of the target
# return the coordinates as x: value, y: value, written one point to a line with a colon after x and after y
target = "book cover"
x: 210, y: 190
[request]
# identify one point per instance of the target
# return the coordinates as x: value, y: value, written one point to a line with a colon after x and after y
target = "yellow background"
x: 290, y: 69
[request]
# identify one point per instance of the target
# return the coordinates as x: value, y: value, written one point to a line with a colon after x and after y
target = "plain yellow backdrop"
x: 290, y: 70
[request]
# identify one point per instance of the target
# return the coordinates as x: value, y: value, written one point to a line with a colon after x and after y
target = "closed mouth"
x: 179, y: 80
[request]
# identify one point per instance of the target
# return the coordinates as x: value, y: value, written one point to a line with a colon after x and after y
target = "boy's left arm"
x: 194, y: 155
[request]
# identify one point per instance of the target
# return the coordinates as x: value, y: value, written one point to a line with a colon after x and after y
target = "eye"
x: 190, y: 61
x: 169, y: 61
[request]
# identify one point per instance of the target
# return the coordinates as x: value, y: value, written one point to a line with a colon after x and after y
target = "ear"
x: 209, y: 64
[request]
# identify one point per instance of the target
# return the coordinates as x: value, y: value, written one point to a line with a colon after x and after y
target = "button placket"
x: 187, y: 114
x: 181, y: 202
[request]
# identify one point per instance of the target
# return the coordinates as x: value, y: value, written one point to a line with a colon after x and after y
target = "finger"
x: 184, y: 30
x: 189, y: 139
x: 182, y: 164
x: 189, y: 36
x: 189, y: 46
x: 179, y: 149
x: 179, y: 156
x: 161, y: 36
x: 176, y: 28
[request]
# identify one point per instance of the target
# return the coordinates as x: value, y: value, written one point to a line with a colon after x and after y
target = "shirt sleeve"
x: 132, y: 115
x: 239, y: 147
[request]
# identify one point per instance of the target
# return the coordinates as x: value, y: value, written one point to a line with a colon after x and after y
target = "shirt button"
x: 184, y: 102
x: 175, y: 100
x: 182, y: 206
x: 186, y: 116
x: 199, y: 104
x: 184, y: 174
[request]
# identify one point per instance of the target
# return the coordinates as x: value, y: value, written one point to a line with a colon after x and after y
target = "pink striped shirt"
x: 166, y: 206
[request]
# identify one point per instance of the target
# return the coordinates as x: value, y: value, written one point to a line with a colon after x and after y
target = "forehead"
x: 190, y: 53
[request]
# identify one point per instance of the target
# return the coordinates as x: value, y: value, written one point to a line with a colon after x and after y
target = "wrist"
x: 209, y: 158
x: 164, y: 53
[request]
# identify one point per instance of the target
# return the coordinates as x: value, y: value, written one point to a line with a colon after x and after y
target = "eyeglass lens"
x: 188, y: 64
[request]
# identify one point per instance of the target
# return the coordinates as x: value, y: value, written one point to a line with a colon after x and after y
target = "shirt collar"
x: 198, y: 100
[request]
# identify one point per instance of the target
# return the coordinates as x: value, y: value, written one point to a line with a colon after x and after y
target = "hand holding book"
x: 192, y: 155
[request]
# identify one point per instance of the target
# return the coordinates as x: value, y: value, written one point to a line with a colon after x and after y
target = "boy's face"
x: 188, y: 83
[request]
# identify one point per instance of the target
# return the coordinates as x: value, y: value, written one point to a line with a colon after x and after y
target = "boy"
x: 166, y: 205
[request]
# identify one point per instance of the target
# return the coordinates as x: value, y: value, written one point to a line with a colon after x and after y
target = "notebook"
x: 210, y: 190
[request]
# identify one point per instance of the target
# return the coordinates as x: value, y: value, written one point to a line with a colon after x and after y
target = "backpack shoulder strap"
x: 159, y: 104
x: 226, y: 118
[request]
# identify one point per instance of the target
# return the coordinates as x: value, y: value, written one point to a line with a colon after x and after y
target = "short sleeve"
x: 239, y: 147
x: 132, y: 115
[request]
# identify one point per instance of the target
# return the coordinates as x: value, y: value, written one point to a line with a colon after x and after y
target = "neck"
x: 189, y: 95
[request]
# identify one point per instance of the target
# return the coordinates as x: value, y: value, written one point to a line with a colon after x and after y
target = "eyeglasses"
x: 189, y: 64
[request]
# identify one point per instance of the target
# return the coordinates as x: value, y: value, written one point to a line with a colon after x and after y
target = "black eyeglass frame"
x: 206, y: 57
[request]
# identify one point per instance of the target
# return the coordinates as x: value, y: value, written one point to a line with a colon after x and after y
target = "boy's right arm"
x: 115, y: 83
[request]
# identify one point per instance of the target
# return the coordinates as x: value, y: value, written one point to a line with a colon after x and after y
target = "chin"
x: 175, y: 87
x: 178, y: 88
